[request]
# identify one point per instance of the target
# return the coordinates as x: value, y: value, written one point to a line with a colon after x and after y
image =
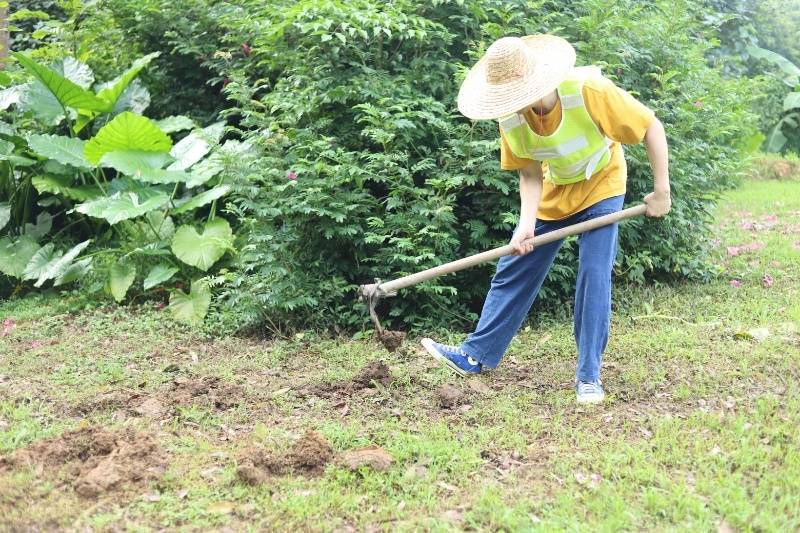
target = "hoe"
x: 373, y: 292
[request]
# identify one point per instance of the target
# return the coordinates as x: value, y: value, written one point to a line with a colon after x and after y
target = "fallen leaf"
x: 182, y: 494
x: 452, y: 515
x: 372, y: 456
x: 797, y: 245
x: 716, y: 450
x: 723, y: 527
x: 767, y: 281
x: 152, y: 498
x: 221, y: 507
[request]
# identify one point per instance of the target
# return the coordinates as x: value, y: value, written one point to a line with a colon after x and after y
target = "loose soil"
x: 94, y: 460
x: 391, y: 340
x: 374, y: 373
x: 308, y: 456
x: 450, y: 397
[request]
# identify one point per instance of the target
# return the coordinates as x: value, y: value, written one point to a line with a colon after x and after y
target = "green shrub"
x: 357, y: 101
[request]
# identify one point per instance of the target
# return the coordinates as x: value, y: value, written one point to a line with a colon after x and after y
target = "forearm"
x: 657, y: 151
x: 530, y: 192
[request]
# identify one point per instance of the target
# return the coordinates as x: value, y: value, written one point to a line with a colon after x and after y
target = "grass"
x: 700, y: 430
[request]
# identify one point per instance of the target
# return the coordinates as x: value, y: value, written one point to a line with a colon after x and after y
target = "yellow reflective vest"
x: 577, y: 150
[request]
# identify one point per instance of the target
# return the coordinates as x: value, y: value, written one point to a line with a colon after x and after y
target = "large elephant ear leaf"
x: 69, y: 93
x: 191, y: 308
x: 5, y: 214
x: 114, y: 90
x: 205, y: 197
x: 120, y: 279
x: 124, y: 205
x: 65, y: 150
x: 203, y: 250
x: 58, y: 266
x: 127, y: 131
x: 196, y: 145
x: 15, y: 256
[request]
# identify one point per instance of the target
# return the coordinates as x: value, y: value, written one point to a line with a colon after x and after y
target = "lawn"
x: 117, y: 418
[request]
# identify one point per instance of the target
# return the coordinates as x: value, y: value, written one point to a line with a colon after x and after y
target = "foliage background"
x: 364, y: 167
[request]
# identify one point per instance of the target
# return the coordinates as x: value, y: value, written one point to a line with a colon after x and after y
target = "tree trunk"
x: 3, y: 34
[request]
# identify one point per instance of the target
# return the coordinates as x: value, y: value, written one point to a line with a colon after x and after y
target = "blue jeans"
x: 519, y: 278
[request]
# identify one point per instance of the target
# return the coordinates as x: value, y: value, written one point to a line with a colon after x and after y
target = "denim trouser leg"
x: 597, y: 250
x: 517, y: 282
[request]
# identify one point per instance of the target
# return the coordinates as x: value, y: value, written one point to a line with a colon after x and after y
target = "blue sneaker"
x: 452, y: 356
x: 590, y: 392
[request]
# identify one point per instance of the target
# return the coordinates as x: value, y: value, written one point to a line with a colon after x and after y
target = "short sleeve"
x: 620, y: 116
x: 509, y: 161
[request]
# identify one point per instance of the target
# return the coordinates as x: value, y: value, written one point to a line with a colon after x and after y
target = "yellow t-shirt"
x: 619, y: 116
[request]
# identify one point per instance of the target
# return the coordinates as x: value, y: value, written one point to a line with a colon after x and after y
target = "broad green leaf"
x: 5, y: 214
x: 10, y: 96
x: 6, y: 147
x: 123, y: 205
x: 175, y: 123
x: 776, y: 140
x: 158, y: 275
x: 41, y: 103
x: 62, y: 186
x: 75, y: 71
x: 43, y: 225
x: 74, y: 272
x: 120, y: 278
x: 65, y: 150
x: 59, y: 265
x: 15, y: 256
x: 204, y: 250
x: 126, y: 132
x: 7, y: 129
x: 195, y: 146
x: 789, y: 68
x: 791, y: 101
x: 204, y: 171
x: 111, y: 93
x: 44, y: 256
x: 67, y: 92
x: 144, y: 166
x: 134, y: 98
x: 191, y: 308
x: 203, y: 198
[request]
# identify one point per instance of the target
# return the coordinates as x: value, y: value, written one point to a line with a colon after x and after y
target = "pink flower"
x: 746, y: 224
x: 36, y: 344
x: 767, y: 281
x: 698, y: 104
x: 291, y: 175
x: 8, y: 326
x: 736, y: 283
x: 246, y: 50
x: 733, y: 250
x: 770, y: 218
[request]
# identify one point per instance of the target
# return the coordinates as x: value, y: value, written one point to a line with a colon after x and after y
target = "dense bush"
x: 367, y: 170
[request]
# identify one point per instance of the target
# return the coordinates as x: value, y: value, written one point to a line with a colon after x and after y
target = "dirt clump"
x: 308, y: 455
x: 372, y: 456
x: 208, y: 390
x: 450, y: 397
x: 92, y: 460
x: 391, y: 340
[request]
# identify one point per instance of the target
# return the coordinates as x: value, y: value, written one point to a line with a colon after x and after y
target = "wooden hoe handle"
x: 389, y: 288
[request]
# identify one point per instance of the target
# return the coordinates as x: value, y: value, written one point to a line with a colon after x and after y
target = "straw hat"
x: 514, y: 73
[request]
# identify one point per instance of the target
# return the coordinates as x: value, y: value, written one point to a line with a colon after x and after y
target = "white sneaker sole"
x: 594, y: 398
x: 428, y: 345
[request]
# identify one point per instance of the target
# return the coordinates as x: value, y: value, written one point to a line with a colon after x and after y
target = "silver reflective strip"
x: 571, y: 101
x: 512, y: 122
x: 584, y: 164
x: 561, y: 150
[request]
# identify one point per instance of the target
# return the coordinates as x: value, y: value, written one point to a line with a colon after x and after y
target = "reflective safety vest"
x: 577, y: 150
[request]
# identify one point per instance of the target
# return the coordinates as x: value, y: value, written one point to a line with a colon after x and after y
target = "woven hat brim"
x: 480, y: 100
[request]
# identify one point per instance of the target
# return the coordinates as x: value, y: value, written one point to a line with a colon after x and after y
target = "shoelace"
x: 587, y: 387
x: 462, y: 353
